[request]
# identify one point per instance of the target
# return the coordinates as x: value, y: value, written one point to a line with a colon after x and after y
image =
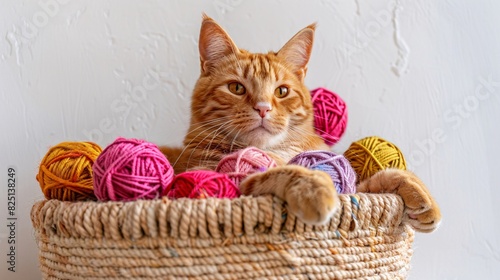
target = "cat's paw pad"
x: 312, y: 198
x: 427, y: 221
x: 423, y: 212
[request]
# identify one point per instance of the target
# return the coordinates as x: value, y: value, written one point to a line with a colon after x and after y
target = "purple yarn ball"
x: 337, y: 166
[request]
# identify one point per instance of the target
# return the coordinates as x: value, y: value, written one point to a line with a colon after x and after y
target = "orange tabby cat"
x: 246, y: 99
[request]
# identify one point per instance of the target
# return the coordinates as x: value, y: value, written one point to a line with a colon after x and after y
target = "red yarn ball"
x: 242, y: 163
x: 202, y: 184
x: 131, y: 169
x: 330, y: 115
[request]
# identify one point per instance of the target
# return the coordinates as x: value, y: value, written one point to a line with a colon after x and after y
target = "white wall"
x: 423, y: 74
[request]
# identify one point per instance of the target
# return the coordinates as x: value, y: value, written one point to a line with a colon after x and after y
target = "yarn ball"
x: 330, y: 115
x: 372, y: 154
x: 131, y: 169
x: 202, y: 184
x: 65, y: 172
x: 242, y: 163
x: 337, y: 166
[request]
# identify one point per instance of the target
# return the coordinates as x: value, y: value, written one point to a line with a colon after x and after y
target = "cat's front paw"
x: 310, y: 194
x: 313, y: 198
x: 423, y: 212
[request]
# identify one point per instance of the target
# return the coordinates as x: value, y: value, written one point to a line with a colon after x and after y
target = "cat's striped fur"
x: 246, y: 99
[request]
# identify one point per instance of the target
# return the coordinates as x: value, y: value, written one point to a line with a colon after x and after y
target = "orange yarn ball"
x: 65, y: 172
x: 372, y: 154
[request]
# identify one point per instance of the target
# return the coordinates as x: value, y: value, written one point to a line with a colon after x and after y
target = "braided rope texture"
x: 243, y: 238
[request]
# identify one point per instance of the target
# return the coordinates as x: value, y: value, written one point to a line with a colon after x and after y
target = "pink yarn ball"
x: 337, y: 166
x: 242, y: 163
x: 131, y: 169
x: 202, y: 184
x: 330, y: 115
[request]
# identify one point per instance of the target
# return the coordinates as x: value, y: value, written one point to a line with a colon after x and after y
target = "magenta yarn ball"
x: 330, y: 115
x: 242, y: 163
x: 337, y: 166
x: 202, y: 184
x: 131, y: 169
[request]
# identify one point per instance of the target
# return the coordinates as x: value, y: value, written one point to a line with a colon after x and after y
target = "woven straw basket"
x: 244, y: 238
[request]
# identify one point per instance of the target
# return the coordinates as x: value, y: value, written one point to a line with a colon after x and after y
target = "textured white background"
x: 422, y: 74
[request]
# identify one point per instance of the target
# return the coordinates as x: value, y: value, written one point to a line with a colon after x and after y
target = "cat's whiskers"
x: 299, y: 131
x: 288, y: 142
x: 232, y: 141
x: 204, y: 124
x: 295, y: 137
x: 210, y: 151
x: 202, y: 140
x: 188, y: 145
x: 305, y: 132
x: 320, y: 130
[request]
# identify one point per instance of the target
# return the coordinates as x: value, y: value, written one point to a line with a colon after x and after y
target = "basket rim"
x: 210, y: 218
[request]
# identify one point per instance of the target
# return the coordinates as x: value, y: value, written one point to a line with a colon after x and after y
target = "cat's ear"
x: 297, y: 51
x: 214, y: 43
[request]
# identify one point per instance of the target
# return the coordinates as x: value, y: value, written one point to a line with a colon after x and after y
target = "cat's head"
x: 251, y: 98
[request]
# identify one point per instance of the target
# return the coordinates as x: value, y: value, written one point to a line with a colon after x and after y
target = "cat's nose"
x: 263, y: 108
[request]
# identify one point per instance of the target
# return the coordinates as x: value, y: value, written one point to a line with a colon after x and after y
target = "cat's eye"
x: 281, y: 92
x: 236, y: 88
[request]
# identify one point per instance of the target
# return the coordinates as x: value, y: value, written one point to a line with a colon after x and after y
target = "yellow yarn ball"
x: 372, y: 154
x: 65, y: 172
